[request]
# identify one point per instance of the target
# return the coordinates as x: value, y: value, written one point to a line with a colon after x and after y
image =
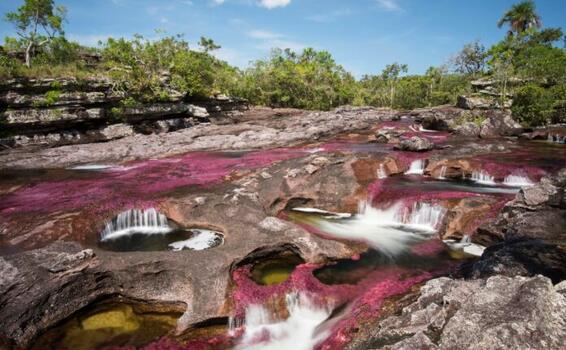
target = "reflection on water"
x: 109, y: 324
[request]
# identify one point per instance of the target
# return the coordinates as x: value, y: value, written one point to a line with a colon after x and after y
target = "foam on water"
x: 390, y: 230
x: 203, y: 239
x: 443, y: 171
x: 517, y: 181
x: 417, y: 167
x: 300, y: 331
x: 132, y: 221
x: 483, y: 177
x: 381, y: 172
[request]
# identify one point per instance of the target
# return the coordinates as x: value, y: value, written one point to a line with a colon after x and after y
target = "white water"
x: 483, y: 177
x: 423, y: 217
x: 390, y: 230
x: 556, y: 138
x: 136, y: 221
x: 381, y: 172
x: 202, y: 240
x: 92, y: 167
x: 517, y: 181
x: 417, y: 167
x: 443, y: 172
x: 300, y: 331
x: 327, y: 214
x: 466, y: 246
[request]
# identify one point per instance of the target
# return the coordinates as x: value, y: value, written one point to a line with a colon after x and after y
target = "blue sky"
x: 362, y: 35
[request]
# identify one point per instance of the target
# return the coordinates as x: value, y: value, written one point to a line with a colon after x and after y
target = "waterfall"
x: 483, y: 177
x: 443, y: 172
x: 417, y: 167
x: 556, y: 138
x: 390, y: 230
x: 136, y: 221
x: 300, y: 331
x: 517, y: 181
x: 423, y: 217
x: 381, y: 172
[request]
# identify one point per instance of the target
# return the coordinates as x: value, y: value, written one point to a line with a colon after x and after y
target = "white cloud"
x: 271, y: 4
x: 268, y: 40
x: 218, y: 2
x: 389, y: 5
x: 91, y: 40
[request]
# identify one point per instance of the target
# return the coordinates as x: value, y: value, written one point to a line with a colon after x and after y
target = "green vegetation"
x: 526, y: 65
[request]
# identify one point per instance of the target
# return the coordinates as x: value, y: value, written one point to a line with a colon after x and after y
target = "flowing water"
x: 280, y: 302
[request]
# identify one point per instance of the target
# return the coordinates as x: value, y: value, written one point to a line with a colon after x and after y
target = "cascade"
x: 203, y: 239
x: 389, y: 230
x: 417, y: 167
x: 424, y: 217
x: 483, y: 177
x: 517, y: 181
x: 443, y: 172
x: 132, y: 221
x: 381, y: 172
x: 300, y: 331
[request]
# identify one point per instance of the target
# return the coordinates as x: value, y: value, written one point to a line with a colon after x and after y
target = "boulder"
x: 116, y: 131
x: 46, y: 117
x: 415, y: 144
x: 474, y: 102
x: 500, y: 124
x: 519, y: 257
x: 494, y: 313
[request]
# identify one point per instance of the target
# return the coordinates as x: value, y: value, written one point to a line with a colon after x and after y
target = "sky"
x: 362, y: 35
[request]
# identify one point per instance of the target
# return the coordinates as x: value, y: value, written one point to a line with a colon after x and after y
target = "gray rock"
x: 116, y: 131
x: 415, y: 144
x: 474, y: 102
x: 46, y: 117
x: 494, y: 313
x: 468, y: 129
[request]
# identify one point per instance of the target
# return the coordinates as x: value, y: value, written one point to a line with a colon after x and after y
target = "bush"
x: 532, y: 105
x: 558, y: 93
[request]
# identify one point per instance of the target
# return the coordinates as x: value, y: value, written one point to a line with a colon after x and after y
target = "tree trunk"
x: 28, y: 54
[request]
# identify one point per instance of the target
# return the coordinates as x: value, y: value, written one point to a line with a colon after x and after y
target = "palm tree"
x: 521, y: 17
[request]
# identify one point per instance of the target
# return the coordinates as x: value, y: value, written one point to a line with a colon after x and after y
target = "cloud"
x: 268, y: 40
x: 92, y: 39
x: 389, y: 5
x: 271, y: 4
x: 330, y: 16
x: 218, y: 2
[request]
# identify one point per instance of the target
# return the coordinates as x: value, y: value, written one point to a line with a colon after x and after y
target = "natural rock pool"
x: 287, y: 247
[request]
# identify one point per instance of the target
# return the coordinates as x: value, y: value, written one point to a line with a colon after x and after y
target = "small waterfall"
x: 483, y: 177
x: 381, y: 172
x: 517, y: 181
x: 417, y: 167
x: 390, y: 230
x: 424, y: 217
x: 556, y: 138
x: 443, y: 171
x: 136, y: 221
x: 300, y: 331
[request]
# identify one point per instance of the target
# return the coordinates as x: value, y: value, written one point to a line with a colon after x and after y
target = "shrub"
x: 532, y: 105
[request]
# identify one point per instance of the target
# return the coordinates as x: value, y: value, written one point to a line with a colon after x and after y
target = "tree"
x: 37, y: 23
x: 521, y: 17
x: 471, y: 60
x: 207, y: 44
x: 391, y: 75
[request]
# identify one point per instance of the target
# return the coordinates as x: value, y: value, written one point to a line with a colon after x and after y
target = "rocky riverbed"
x: 357, y: 228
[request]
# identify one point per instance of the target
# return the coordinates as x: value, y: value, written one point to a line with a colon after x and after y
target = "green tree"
x: 521, y: 17
x: 37, y: 23
x: 208, y: 45
x: 471, y: 60
x: 532, y: 105
x: 391, y: 75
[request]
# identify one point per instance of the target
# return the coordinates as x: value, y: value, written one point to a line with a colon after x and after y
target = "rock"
x: 470, y: 129
x: 415, y: 144
x: 495, y: 313
x: 500, y: 124
x: 197, y: 112
x: 273, y: 224
x: 116, y: 131
x: 537, y: 212
x: 520, y: 257
x: 55, y: 116
x: 463, y: 218
x: 474, y: 102
x: 386, y: 136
